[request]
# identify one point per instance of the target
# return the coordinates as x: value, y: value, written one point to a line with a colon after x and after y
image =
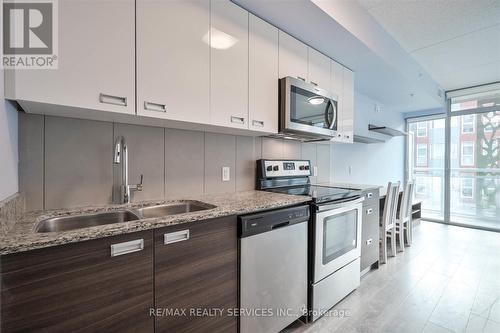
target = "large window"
x: 475, y: 175
x: 455, y: 159
x: 426, y: 140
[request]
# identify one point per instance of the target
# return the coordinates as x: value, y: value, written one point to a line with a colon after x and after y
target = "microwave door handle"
x: 329, y: 122
x: 334, y: 113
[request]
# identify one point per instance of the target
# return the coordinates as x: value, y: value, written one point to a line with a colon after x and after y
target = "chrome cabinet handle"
x: 155, y: 107
x: 301, y: 78
x: 369, y: 211
x: 127, y: 247
x: 237, y: 120
x: 110, y: 99
x: 369, y: 195
x: 177, y: 236
x: 258, y: 123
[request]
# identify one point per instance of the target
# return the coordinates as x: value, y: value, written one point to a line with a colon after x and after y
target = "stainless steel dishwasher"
x: 273, y: 269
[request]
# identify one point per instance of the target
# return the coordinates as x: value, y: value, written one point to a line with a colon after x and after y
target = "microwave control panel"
x: 286, y: 168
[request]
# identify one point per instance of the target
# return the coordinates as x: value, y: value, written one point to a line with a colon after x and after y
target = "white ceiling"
x: 456, y: 41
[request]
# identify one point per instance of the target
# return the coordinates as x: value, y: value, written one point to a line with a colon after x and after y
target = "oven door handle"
x: 340, y: 204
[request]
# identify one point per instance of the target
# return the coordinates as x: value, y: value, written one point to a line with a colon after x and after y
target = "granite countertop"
x: 22, y: 237
x: 362, y: 187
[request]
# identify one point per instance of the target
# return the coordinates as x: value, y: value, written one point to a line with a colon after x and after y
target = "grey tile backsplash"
x: 65, y: 162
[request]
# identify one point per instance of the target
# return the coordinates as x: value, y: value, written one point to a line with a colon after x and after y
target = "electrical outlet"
x: 315, y: 171
x: 226, y: 175
x: 349, y: 170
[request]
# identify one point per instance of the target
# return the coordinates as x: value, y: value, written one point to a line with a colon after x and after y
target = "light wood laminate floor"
x: 447, y: 281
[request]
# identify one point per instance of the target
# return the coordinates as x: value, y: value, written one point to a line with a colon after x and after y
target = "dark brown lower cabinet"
x: 196, y: 276
x: 80, y: 287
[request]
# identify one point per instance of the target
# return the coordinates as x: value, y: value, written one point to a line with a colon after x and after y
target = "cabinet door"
x: 337, y: 88
x: 173, y: 59
x: 96, y: 59
x: 292, y: 57
x: 319, y: 69
x: 80, y: 287
x: 229, y: 65
x: 196, y: 267
x: 263, y: 76
x: 348, y: 106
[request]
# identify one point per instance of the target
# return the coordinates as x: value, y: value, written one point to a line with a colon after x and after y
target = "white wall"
x: 371, y: 163
x: 8, y: 145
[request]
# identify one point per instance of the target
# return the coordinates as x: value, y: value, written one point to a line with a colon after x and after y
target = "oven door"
x: 306, y: 108
x: 337, y: 230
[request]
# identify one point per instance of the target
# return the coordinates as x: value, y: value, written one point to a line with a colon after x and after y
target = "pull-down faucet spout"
x: 120, y: 156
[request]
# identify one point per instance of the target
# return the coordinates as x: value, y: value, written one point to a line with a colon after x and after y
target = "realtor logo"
x: 29, y: 34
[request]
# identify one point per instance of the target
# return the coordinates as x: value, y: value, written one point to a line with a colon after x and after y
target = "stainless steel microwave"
x: 306, y: 111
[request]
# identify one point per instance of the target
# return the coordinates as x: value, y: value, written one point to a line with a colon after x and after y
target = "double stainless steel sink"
x: 91, y: 220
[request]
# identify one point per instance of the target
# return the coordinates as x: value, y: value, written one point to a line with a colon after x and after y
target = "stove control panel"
x: 285, y: 168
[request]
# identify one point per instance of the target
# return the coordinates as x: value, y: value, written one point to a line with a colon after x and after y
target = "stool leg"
x: 383, y: 246
x: 409, y: 232
x: 393, y: 242
x: 401, y: 236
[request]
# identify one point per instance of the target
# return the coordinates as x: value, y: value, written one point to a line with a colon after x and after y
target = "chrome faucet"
x: 121, y: 157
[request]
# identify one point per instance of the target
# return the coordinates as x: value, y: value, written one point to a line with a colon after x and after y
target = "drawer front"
x: 369, y: 236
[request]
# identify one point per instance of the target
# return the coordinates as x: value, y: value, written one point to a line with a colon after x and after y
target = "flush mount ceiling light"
x: 219, y: 39
x: 316, y: 100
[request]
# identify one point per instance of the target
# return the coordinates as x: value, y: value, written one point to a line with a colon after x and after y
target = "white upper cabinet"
x: 96, y: 60
x: 348, y: 107
x: 229, y: 65
x: 319, y: 69
x: 263, y: 76
x: 173, y: 59
x: 337, y: 88
x: 292, y: 57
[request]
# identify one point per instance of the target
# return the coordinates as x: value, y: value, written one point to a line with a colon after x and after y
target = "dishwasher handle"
x: 281, y: 225
x: 253, y: 224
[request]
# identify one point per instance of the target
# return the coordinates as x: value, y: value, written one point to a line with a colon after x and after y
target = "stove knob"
x: 276, y: 168
x: 306, y: 167
x: 269, y: 168
x: 302, y: 167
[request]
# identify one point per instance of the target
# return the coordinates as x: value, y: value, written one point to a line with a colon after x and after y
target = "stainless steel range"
x: 334, y: 234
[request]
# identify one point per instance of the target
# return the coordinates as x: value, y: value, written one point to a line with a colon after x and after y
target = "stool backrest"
x: 390, y: 206
x: 406, y: 201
